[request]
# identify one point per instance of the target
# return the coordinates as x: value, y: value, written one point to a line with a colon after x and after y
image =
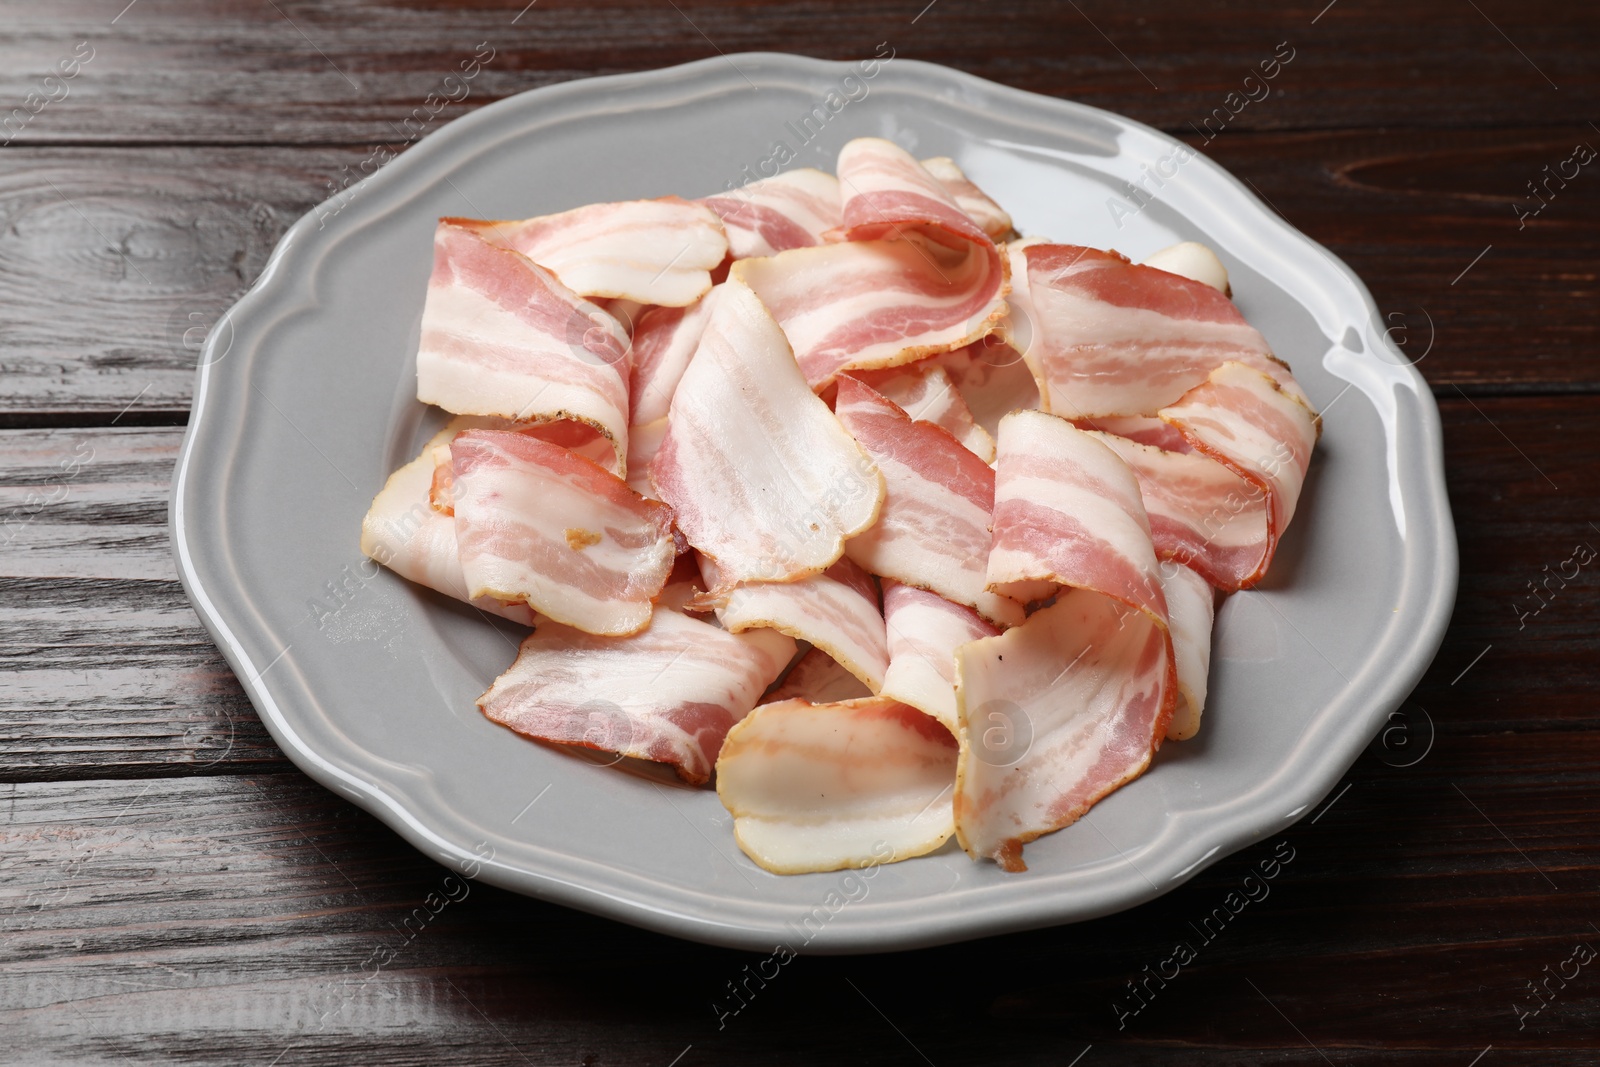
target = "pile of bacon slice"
x: 901, y: 526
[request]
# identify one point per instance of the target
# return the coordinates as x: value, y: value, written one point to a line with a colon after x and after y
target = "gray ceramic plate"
x: 304, y: 404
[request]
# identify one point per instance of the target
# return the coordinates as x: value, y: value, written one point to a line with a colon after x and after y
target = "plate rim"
x: 914, y: 927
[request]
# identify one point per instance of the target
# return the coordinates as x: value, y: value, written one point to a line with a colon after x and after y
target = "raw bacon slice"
x: 1055, y: 714
x: 885, y: 192
x: 643, y: 444
x: 1260, y: 431
x: 990, y: 216
x: 818, y: 679
x: 791, y: 210
x: 1067, y: 511
x: 820, y: 787
x: 1104, y: 336
x: 663, y: 343
x: 934, y: 529
x: 875, y: 303
x: 580, y: 437
x: 993, y: 378
x: 1191, y: 607
x: 502, y: 337
x: 910, y: 275
x: 651, y: 251
x: 668, y: 693
x: 926, y: 393
x: 836, y: 611
x: 763, y: 478
x: 540, y: 524
x: 925, y: 630
x: 405, y: 533
x: 1202, y: 514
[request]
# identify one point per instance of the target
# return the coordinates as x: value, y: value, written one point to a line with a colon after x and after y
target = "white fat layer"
x: 1192, y: 260
x: 820, y: 787
x: 1190, y: 607
x: 643, y: 442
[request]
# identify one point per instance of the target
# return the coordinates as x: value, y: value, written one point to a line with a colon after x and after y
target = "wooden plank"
x: 1524, y: 476
x: 115, y: 264
x: 1442, y: 228
x: 227, y: 920
x: 104, y: 669
x: 295, y: 72
x: 112, y: 265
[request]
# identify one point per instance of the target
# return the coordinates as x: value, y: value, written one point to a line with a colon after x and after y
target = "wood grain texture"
x: 113, y: 266
x: 1412, y: 211
x: 104, y: 667
x: 112, y: 270
x: 182, y: 919
x: 297, y: 72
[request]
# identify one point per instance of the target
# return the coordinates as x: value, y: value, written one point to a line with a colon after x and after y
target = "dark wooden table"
x: 173, y: 890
